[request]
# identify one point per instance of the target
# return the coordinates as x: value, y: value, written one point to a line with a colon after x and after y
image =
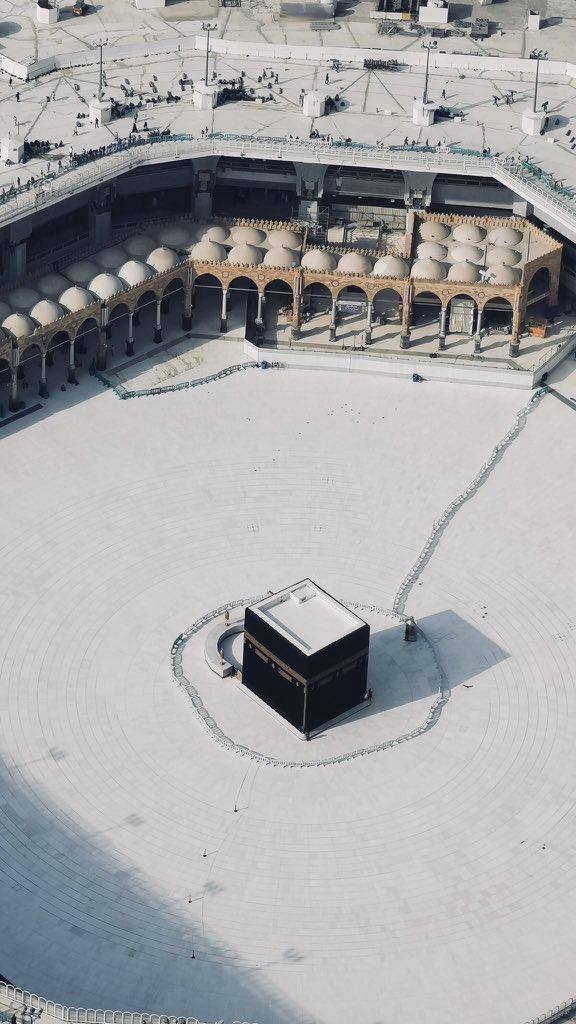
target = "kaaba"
x: 305, y: 655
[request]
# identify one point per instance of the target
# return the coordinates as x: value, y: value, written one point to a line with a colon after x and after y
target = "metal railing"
x: 129, y: 155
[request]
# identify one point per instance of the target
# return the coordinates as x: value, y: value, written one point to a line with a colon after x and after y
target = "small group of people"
x: 507, y: 99
x: 26, y: 1015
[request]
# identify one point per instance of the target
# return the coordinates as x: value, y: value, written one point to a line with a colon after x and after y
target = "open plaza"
x: 287, y: 410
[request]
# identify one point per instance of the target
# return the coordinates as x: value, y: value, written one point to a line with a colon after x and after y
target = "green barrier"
x: 124, y: 393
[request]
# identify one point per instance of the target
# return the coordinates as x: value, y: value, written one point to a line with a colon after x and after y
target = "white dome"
x: 503, y: 275
x: 209, y: 251
x: 106, y: 285
x: 283, y: 238
x: 52, y: 285
x: 19, y: 325
x: 47, y: 311
x: 465, y: 253
x: 163, y: 259
x: 428, y: 270
x: 505, y: 236
x: 76, y: 298
x: 281, y: 258
x: 22, y: 299
x: 465, y: 272
x: 391, y: 266
x: 139, y: 245
x: 501, y: 256
x: 471, y: 233
x: 316, y: 259
x: 433, y: 231
x: 431, y: 251
x: 135, y: 272
x: 111, y: 258
x: 247, y: 235
x: 215, y: 233
x: 246, y: 255
x: 354, y: 263
x: 5, y: 311
x: 173, y: 234
x: 81, y: 272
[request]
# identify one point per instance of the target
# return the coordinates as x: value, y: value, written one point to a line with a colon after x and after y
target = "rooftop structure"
x: 307, y: 616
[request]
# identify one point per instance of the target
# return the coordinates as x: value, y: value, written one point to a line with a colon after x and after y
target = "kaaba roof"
x: 307, y: 616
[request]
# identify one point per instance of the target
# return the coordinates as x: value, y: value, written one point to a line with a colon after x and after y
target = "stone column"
x: 478, y: 335
x: 158, y: 328
x: 102, y: 350
x: 405, y: 329
x: 333, y: 321
x: 442, y: 329
x: 43, y: 386
x: 71, y: 364
x: 296, y: 300
x: 14, y: 403
x: 187, y: 314
x: 368, y: 330
x: 130, y: 338
x: 259, y: 320
x: 224, y: 311
x: 515, y: 338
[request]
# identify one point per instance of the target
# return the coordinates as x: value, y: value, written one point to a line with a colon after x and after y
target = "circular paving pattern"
x: 386, y: 886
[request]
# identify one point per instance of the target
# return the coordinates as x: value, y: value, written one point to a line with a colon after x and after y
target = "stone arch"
x: 119, y: 306
x: 173, y: 289
x: 539, y: 284
x: 349, y: 320
x: 242, y: 282
x: 32, y: 350
x: 57, y: 346
x: 86, y: 335
x: 205, y: 270
x: 279, y: 286
x: 5, y: 378
x: 117, y: 319
x: 207, y: 299
x: 354, y: 287
x: 278, y: 307
x: 426, y: 307
x: 498, y: 311
x: 57, y: 339
x: 242, y: 300
x: 310, y: 280
x: 174, y: 284
x: 85, y: 326
x: 208, y: 280
x: 118, y: 310
x: 423, y: 289
x: 462, y: 313
x: 148, y: 297
x: 316, y: 299
x: 387, y: 303
x: 30, y: 359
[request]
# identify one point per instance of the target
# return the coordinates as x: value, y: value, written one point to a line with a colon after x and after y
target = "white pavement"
x: 433, y: 881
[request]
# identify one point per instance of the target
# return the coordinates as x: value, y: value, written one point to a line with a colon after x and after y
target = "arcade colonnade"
x: 189, y: 275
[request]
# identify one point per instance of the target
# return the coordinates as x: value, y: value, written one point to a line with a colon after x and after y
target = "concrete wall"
x: 32, y: 68
x: 445, y: 370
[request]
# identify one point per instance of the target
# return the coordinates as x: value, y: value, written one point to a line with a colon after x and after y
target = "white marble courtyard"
x: 434, y: 881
